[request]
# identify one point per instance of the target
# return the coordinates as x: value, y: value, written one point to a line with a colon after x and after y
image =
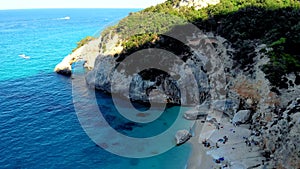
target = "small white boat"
x: 64, y: 18
x: 24, y: 56
x: 67, y: 18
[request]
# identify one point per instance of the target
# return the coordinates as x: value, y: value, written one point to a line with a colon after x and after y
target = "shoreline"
x: 233, y: 153
x: 198, y: 157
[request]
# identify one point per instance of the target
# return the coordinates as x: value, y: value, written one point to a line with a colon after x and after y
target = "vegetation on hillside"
x: 142, y: 27
x: 222, y: 8
x: 245, y: 23
x: 250, y: 26
x: 83, y: 41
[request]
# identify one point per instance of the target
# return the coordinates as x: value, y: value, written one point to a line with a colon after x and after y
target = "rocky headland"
x: 87, y: 52
x: 239, y: 65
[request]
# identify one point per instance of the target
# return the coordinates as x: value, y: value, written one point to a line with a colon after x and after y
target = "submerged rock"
x: 182, y: 136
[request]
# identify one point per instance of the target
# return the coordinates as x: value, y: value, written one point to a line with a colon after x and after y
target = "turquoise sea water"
x: 38, y: 124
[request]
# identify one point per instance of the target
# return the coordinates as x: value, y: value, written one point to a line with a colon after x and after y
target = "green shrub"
x: 83, y: 42
x: 245, y: 23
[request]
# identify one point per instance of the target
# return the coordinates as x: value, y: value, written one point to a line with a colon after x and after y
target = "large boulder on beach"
x: 226, y: 106
x: 241, y: 117
x: 182, y: 136
x: 198, y: 112
x: 194, y: 114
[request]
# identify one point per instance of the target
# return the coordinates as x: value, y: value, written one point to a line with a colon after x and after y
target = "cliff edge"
x: 240, y: 59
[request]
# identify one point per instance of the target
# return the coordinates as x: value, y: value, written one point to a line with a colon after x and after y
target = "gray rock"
x: 187, y: 85
x: 182, y: 136
x: 227, y: 106
x: 203, y: 107
x: 101, y: 77
x: 241, y: 117
x: 194, y: 115
x: 87, y: 53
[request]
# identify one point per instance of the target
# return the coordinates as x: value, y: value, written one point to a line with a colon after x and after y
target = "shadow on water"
x: 125, y: 126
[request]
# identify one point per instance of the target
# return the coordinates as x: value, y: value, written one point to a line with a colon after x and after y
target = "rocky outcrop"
x: 191, y: 76
x: 111, y: 44
x: 64, y: 67
x: 194, y: 115
x: 227, y: 106
x: 182, y: 136
x: 248, y: 99
x: 241, y: 117
x: 263, y: 122
x: 87, y: 53
x: 223, y: 81
x: 197, y: 4
x: 198, y: 112
x: 279, y: 137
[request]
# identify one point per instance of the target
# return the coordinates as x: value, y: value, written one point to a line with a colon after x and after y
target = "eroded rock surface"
x: 182, y: 136
x: 241, y: 117
x: 87, y: 53
x: 185, y: 82
x: 243, y: 95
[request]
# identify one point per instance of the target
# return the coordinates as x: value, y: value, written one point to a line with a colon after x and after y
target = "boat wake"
x: 24, y: 56
x: 64, y: 18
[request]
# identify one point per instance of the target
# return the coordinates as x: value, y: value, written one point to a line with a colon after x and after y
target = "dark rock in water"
x: 65, y: 72
x: 182, y: 136
x: 64, y: 67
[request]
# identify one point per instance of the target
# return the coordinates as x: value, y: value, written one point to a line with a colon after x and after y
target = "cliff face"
x: 226, y: 73
x: 273, y: 119
x: 88, y: 53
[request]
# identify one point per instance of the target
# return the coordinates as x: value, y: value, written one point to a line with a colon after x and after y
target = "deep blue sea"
x: 39, y: 127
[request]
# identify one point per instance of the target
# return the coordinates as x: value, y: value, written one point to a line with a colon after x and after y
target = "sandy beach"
x: 198, y: 158
x: 231, y: 153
